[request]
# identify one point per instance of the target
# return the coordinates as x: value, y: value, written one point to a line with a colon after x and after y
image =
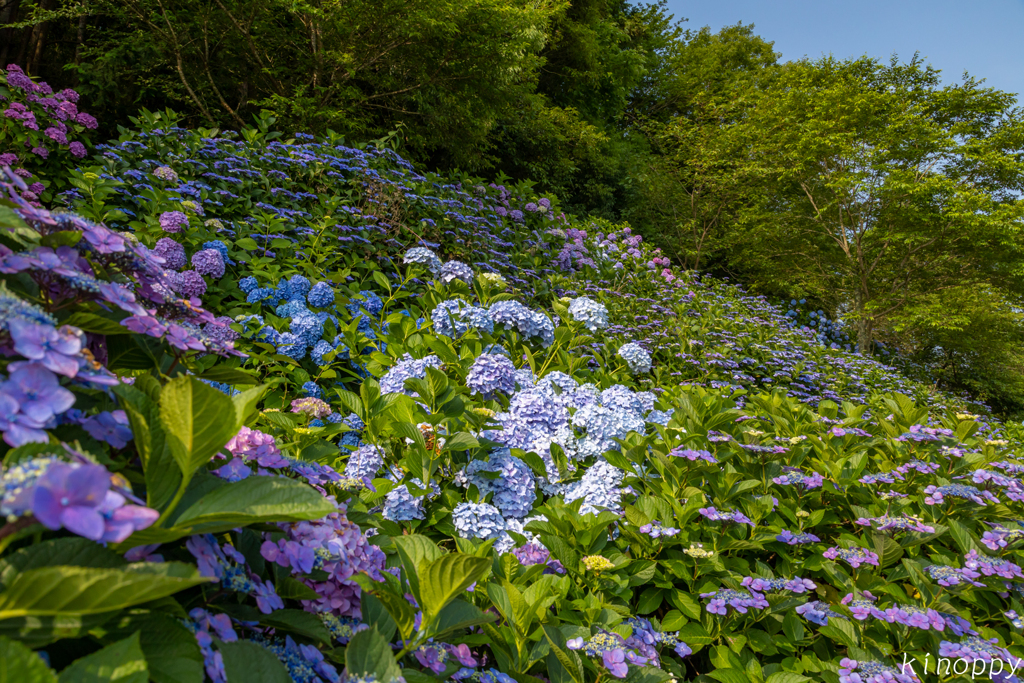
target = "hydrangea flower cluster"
x: 454, y: 318
x: 896, y: 523
x: 719, y: 601
x: 528, y: 323
x: 79, y: 496
x: 729, y: 516
x: 637, y: 359
x: 936, y: 495
x: 513, y: 491
x: 855, y: 557
x: 853, y: 671
x: 336, y: 547
x: 592, y: 314
x: 789, y: 538
x: 794, y: 477
x: 492, y: 374
x: 228, y: 566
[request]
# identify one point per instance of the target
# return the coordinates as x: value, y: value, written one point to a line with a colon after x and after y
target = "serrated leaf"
x: 18, y: 664
x: 246, y: 661
x: 368, y: 655
x: 120, y: 662
x: 59, y: 591
x: 443, y: 579
x: 71, y: 551
x: 171, y: 651
x: 198, y: 421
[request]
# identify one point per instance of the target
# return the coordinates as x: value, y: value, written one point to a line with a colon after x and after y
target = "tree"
x: 694, y: 186
x: 886, y: 188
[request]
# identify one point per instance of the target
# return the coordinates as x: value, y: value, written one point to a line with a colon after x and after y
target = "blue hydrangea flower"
x: 393, y: 382
x: 599, y: 489
x: 311, y: 388
x: 321, y: 296
x: 478, y: 520
x: 592, y: 314
x: 492, y: 373
x: 529, y: 324
x: 603, y: 425
x: 364, y: 463
x: 424, y: 257
x: 299, y: 286
x: 292, y: 345
x: 514, y: 489
x: 455, y: 270
x: 638, y: 360
x: 248, y: 284
x: 453, y: 318
x: 367, y: 301
x: 321, y: 348
x: 308, y: 327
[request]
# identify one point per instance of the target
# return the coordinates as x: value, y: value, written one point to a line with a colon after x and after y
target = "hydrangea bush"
x: 297, y: 412
x: 42, y: 133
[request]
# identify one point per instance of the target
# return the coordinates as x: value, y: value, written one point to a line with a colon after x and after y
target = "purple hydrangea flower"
x: 173, y: 221
x: 209, y: 262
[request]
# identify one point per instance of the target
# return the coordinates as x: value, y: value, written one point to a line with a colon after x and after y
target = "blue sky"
x: 985, y: 37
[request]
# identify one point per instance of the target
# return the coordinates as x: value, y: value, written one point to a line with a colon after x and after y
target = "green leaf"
x: 251, y: 501
x: 414, y: 551
x: 96, y: 324
x: 122, y: 662
x: 246, y: 661
x: 445, y: 578
x: 38, y: 631
x: 171, y: 650
x: 53, y: 591
x: 786, y: 677
x: 72, y: 551
x: 962, y: 536
x: 889, y: 551
x: 461, y: 441
x: 163, y: 476
x: 459, y: 614
x: 793, y: 628
x: 18, y: 664
x: 198, y: 420
x: 376, y: 615
x: 245, y: 402
x: 569, y: 660
x: 369, y: 655
x: 650, y: 600
x: 296, y: 621
x: 841, y: 631
x: 729, y: 676
x: 226, y: 375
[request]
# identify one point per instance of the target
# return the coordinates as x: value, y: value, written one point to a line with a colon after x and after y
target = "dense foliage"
x: 891, y: 196
x: 277, y: 408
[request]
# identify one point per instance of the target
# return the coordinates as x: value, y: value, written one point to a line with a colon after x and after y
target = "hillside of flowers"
x: 279, y: 408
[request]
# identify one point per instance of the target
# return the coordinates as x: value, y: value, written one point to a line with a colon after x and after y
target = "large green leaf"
x: 246, y: 661
x: 445, y: 578
x: 253, y: 500
x: 369, y: 655
x: 459, y: 614
x: 569, y: 660
x: 198, y: 420
x: 162, y: 473
x: 73, y: 551
x: 18, y: 664
x: 171, y: 650
x: 121, y: 662
x: 53, y: 591
x: 40, y: 631
x: 377, y: 616
x: 414, y: 551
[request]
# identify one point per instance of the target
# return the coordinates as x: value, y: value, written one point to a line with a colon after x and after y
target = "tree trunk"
x: 38, y: 40
x: 80, y: 39
x: 865, y: 329
x: 8, y: 15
